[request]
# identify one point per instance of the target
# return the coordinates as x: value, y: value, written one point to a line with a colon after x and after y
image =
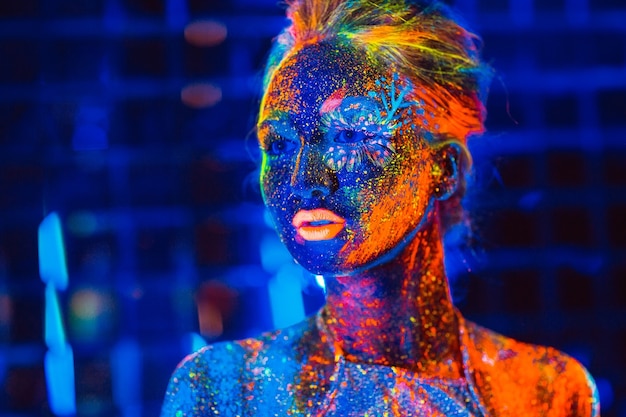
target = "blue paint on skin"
x: 298, y: 140
x: 357, y: 132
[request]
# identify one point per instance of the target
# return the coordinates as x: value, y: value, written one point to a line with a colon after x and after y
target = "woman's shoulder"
x: 203, y: 380
x: 524, y: 377
x: 214, y: 379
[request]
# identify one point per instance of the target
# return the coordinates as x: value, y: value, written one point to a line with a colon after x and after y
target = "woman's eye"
x: 279, y: 146
x: 350, y: 136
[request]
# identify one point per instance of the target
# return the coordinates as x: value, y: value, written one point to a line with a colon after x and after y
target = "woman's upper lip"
x: 308, y: 216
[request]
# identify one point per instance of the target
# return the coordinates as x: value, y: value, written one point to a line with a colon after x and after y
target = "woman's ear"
x: 446, y: 170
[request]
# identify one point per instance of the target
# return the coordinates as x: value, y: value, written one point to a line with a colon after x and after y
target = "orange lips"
x: 318, y: 224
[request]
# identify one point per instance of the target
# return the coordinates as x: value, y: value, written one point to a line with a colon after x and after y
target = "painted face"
x: 346, y: 174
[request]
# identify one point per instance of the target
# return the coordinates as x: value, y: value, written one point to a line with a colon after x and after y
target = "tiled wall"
x: 163, y: 224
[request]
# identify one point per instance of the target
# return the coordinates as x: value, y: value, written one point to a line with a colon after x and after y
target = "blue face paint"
x: 358, y: 133
x: 363, y: 128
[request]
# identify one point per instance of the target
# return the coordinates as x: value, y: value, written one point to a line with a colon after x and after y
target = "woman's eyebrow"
x: 279, y: 124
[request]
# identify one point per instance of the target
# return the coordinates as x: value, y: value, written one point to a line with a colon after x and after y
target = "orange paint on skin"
x: 400, y: 206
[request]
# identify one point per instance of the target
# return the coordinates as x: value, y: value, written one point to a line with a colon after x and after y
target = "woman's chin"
x: 330, y: 263
x: 336, y: 258
x: 319, y: 263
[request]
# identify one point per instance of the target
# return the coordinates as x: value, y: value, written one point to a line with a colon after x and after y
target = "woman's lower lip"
x: 317, y: 224
x: 322, y: 232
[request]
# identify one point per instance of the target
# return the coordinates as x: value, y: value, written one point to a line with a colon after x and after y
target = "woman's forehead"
x: 312, y: 75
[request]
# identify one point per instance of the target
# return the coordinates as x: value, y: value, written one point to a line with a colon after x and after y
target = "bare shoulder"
x: 515, y: 377
x: 216, y: 379
x: 205, y: 380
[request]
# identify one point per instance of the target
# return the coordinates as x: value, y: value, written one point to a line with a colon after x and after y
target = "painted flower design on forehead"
x: 362, y: 128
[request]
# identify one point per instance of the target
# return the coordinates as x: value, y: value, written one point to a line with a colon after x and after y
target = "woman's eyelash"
x: 358, y: 134
x: 275, y: 145
x: 377, y: 149
x: 351, y: 136
x: 370, y: 123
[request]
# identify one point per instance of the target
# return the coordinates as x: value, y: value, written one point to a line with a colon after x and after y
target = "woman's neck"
x: 399, y: 313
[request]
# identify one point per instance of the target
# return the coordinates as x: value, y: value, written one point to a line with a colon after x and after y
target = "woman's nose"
x: 311, y: 178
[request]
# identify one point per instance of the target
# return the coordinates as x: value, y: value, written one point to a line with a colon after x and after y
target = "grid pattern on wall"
x: 114, y: 115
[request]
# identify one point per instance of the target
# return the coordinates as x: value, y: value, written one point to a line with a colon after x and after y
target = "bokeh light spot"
x: 201, y: 95
x: 82, y: 223
x: 87, y: 304
x: 92, y: 315
x: 205, y: 33
x: 6, y: 309
x: 215, y: 302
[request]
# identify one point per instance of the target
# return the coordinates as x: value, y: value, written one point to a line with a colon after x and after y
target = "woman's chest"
x: 346, y: 389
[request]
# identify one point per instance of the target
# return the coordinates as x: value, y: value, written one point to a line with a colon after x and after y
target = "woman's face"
x: 346, y: 174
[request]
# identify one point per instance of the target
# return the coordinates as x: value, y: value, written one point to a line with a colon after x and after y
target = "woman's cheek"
x: 273, y: 180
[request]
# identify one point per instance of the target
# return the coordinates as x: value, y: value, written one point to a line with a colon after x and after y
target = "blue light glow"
x: 59, y: 367
x: 267, y: 219
x: 90, y: 131
x: 54, y: 332
x: 285, y: 291
x: 176, y: 13
x: 195, y: 342
x: 3, y: 365
x: 605, y: 390
x: 319, y: 280
x: 126, y: 377
x: 52, y: 266
x: 83, y: 223
x: 89, y: 137
x: 273, y: 253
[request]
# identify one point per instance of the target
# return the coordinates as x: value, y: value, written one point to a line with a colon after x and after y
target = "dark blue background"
x: 163, y: 224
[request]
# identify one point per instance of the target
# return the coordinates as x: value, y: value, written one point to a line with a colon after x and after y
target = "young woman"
x: 363, y: 125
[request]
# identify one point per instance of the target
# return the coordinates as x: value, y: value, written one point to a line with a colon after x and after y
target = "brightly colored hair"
x: 421, y: 41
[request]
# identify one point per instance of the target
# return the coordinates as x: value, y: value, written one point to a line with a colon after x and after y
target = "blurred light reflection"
x: 215, y: 302
x: 201, y: 95
x: 205, y: 33
x: 91, y: 316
